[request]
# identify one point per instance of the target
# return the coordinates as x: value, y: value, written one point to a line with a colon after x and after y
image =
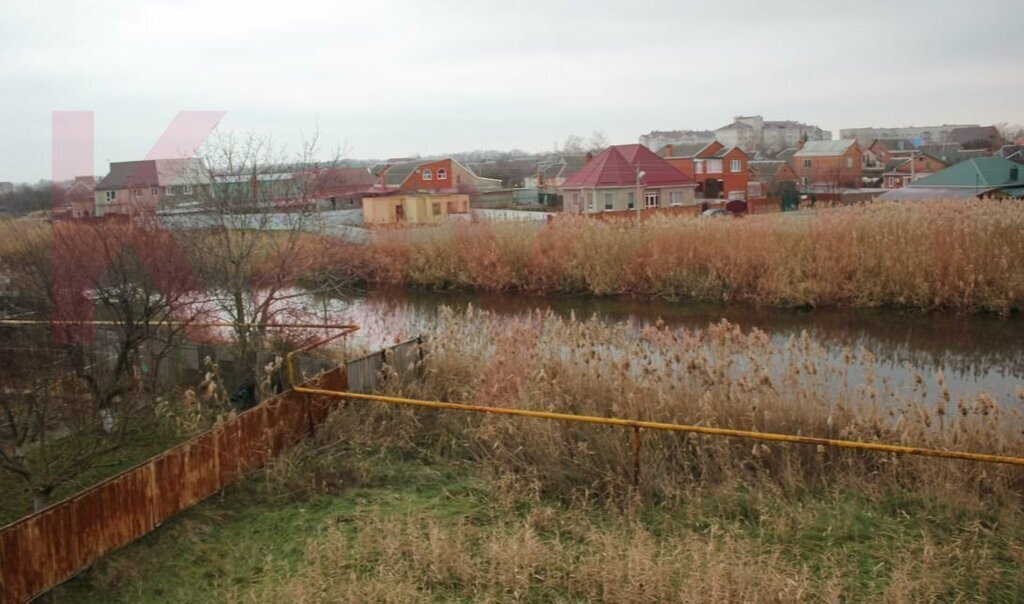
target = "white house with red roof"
x: 623, y: 175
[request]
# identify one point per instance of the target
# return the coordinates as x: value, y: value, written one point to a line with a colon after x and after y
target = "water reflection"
x: 974, y: 353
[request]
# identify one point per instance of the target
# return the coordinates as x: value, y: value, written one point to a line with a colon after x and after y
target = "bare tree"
x: 257, y: 237
x: 72, y: 394
x: 573, y: 144
x: 597, y: 142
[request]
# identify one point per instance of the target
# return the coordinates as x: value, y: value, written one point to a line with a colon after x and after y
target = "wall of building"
x: 415, y: 209
x: 844, y: 170
x: 617, y: 199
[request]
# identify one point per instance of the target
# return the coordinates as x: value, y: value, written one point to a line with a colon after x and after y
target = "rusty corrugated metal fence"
x: 46, y: 548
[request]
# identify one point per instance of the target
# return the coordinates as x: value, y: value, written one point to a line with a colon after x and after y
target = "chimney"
x: 590, y: 157
x: 669, y: 150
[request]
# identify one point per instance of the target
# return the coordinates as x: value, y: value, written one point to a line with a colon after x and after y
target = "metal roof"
x: 617, y: 165
x: 978, y: 173
x: 825, y: 148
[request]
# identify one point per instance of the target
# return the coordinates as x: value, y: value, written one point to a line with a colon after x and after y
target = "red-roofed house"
x: 621, y: 174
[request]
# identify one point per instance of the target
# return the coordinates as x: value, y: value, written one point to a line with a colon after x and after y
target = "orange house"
x: 444, y: 175
x: 833, y: 164
x: 719, y: 171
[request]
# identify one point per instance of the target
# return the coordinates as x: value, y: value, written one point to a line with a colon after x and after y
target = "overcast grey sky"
x: 397, y: 78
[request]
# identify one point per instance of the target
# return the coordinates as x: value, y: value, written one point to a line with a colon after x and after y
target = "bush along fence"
x: 52, y: 545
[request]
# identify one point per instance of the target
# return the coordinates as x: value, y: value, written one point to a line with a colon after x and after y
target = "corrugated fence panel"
x: 364, y: 374
x: 41, y: 550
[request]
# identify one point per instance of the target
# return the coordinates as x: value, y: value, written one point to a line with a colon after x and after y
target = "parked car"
x: 714, y: 213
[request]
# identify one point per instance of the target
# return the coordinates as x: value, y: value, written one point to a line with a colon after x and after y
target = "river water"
x: 978, y: 353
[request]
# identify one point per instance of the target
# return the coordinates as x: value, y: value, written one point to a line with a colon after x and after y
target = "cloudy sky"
x: 383, y: 79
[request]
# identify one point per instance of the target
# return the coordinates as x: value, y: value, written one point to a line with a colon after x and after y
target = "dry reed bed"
x: 959, y: 255
x: 721, y: 376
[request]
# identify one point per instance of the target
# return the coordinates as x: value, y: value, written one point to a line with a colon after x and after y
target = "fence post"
x: 636, y: 456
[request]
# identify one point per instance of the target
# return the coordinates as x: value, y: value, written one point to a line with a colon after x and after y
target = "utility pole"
x: 636, y: 197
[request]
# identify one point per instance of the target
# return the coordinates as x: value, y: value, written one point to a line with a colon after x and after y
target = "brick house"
x: 718, y: 171
x: 902, y: 171
x: 830, y: 164
x: 624, y: 176
x: 444, y: 175
x: 769, y: 178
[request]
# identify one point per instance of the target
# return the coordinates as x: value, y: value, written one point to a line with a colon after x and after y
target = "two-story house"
x: 829, y: 164
x: 139, y: 187
x: 444, y: 175
x: 718, y: 171
x: 626, y: 177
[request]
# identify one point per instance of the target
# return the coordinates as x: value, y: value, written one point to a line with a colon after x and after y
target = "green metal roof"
x: 980, y: 172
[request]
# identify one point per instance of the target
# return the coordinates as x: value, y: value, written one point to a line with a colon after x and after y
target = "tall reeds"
x: 958, y: 255
x: 721, y: 376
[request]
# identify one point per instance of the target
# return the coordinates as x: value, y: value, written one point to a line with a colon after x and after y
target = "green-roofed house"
x: 978, y: 177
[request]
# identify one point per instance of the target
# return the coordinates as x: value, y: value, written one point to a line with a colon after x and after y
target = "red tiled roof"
x: 616, y: 167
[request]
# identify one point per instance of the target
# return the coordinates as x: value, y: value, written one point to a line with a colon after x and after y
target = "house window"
x: 608, y: 201
x: 592, y: 202
x: 436, y: 207
x: 651, y: 199
x: 186, y: 189
x: 807, y: 163
x: 442, y: 174
x: 154, y: 191
x: 714, y: 166
x: 735, y: 165
x: 169, y: 191
x: 631, y: 200
x: 849, y: 162
x: 698, y: 166
x: 136, y: 192
x: 676, y: 198
x: 111, y: 195
x: 427, y: 174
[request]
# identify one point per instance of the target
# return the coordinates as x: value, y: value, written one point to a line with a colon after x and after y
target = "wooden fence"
x: 50, y: 546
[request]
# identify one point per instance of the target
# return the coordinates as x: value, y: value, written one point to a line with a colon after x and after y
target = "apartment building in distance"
x: 658, y: 139
x: 753, y: 133
x: 921, y: 135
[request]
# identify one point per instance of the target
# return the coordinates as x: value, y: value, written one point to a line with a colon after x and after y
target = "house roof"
x: 689, y: 150
x: 895, y: 144
x: 150, y: 173
x: 973, y: 133
x: 396, y: 174
x: 766, y: 168
x: 825, y: 148
x: 726, y: 150
x: 617, y: 165
x: 786, y: 154
x: 332, y: 180
x: 571, y: 165
x: 981, y: 173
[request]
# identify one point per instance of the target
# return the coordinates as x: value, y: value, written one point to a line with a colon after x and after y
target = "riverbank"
x: 950, y: 255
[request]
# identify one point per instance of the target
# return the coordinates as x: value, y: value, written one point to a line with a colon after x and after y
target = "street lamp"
x: 636, y: 198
